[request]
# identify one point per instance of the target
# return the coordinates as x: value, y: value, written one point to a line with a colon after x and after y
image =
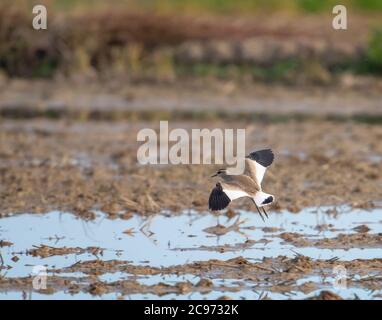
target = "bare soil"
x: 81, y: 166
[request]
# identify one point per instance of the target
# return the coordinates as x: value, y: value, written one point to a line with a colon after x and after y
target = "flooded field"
x: 86, y: 212
x: 194, y: 255
x: 80, y: 215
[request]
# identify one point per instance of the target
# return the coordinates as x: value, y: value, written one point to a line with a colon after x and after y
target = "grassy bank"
x: 224, y: 6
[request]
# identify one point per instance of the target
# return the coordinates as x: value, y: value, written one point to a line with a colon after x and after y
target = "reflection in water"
x: 169, y: 240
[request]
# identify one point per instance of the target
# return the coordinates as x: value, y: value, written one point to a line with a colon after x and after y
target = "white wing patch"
x: 260, y: 171
x: 257, y: 162
x: 255, y: 170
x: 235, y: 194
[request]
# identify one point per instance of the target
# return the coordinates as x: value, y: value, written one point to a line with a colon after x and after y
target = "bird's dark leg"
x: 265, y: 212
x: 258, y: 210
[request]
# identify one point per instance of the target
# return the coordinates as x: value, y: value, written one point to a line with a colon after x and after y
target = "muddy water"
x: 167, y: 240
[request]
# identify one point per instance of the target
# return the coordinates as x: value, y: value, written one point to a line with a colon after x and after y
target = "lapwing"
x: 248, y: 184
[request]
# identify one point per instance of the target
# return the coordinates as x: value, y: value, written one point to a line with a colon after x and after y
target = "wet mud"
x: 80, y: 167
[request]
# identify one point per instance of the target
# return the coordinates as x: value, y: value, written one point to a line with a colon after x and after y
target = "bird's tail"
x: 262, y: 199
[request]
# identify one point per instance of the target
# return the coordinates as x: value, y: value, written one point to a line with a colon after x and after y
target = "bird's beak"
x: 214, y: 175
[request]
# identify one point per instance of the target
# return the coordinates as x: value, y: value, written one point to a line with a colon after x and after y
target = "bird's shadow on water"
x: 86, y: 225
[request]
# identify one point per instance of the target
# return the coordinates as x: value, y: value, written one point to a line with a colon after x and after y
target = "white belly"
x: 235, y: 194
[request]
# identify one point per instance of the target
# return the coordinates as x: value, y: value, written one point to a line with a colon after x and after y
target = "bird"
x: 248, y: 184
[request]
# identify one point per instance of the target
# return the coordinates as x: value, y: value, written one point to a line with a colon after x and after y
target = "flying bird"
x: 248, y: 184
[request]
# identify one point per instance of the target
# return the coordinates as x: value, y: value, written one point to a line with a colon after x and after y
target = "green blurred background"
x: 288, y: 41
x: 224, y: 6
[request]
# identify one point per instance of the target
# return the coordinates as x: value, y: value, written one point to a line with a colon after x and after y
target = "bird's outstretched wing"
x: 218, y: 199
x: 257, y: 162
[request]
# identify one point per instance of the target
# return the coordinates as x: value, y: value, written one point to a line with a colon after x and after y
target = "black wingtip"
x: 264, y: 157
x: 218, y: 199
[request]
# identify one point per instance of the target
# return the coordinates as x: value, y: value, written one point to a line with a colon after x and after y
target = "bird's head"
x: 219, y: 172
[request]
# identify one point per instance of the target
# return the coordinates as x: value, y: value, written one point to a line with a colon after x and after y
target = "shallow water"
x: 166, y: 240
